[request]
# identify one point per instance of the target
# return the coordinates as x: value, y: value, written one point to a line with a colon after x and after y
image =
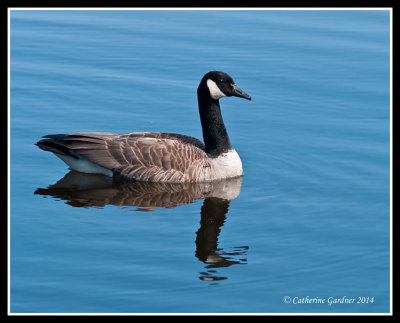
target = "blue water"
x: 312, y: 220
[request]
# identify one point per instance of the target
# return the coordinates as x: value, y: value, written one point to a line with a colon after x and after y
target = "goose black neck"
x: 215, y: 136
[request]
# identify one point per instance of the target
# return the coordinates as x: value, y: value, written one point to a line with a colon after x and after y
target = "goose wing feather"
x: 145, y: 156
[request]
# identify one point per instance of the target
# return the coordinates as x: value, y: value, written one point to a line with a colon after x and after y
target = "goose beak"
x: 240, y: 93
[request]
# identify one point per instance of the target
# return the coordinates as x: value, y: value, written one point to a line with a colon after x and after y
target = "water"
x: 311, y: 219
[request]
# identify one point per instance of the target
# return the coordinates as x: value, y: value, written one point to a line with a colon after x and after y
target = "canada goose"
x: 155, y: 156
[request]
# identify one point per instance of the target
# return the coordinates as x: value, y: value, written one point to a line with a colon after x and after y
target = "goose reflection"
x: 89, y: 190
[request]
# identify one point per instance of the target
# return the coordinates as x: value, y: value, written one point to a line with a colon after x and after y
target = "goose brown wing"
x: 146, y: 156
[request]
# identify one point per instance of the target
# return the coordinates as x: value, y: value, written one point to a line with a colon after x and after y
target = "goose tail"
x: 56, y: 145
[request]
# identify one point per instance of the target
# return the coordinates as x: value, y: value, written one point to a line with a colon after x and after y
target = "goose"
x: 158, y: 156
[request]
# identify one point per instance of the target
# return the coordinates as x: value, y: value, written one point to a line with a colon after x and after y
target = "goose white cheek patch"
x: 215, y: 92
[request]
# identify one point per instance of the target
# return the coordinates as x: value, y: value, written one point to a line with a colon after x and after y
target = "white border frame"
x: 202, y: 9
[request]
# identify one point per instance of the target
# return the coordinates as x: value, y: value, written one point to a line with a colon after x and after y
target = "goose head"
x: 216, y: 85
